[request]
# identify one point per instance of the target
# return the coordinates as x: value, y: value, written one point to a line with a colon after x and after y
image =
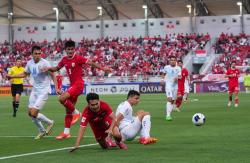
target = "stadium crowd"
x: 126, y: 56
x: 233, y: 48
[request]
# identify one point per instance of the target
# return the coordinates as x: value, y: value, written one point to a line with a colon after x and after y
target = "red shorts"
x: 75, y: 90
x: 99, y: 130
x: 233, y: 89
x: 180, y: 91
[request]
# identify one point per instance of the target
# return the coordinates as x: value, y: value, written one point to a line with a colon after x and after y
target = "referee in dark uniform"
x: 16, y: 84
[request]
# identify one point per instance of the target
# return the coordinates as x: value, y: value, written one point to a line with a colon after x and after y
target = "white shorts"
x: 130, y: 131
x: 37, y: 100
x: 171, y: 93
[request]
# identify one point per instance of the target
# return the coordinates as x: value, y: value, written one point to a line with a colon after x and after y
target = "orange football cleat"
x: 75, y: 118
x: 63, y: 136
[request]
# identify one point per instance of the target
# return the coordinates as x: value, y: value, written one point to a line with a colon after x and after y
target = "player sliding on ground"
x: 40, y: 90
x: 74, y: 66
x: 102, y: 122
x: 130, y: 125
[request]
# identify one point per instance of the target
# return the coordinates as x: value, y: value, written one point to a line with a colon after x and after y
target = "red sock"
x: 69, y: 105
x: 236, y: 101
x: 178, y: 102
x: 67, y: 120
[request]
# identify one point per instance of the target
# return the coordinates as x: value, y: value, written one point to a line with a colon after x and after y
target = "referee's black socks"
x: 16, y: 105
x: 14, y: 108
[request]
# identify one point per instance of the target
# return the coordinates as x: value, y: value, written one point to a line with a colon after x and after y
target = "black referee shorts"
x: 16, y: 89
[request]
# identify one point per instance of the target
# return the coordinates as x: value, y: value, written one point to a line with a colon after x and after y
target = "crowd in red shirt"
x: 126, y: 56
x: 233, y: 48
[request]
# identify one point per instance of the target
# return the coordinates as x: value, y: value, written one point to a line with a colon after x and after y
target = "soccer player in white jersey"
x: 130, y: 125
x: 172, y: 73
x: 41, y: 89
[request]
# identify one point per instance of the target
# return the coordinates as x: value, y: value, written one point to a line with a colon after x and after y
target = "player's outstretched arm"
x: 79, y: 138
x: 51, y: 69
x: 95, y: 65
x: 119, y: 118
x: 109, y: 131
x: 163, y: 75
x: 53, y: 77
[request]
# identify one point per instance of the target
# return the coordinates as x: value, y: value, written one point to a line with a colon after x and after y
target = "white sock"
x: 76, y: 111
x: 43, y: 118
x: 146, y: 125
x: 185, y: 97
x: 169, y: 108
x: 66, y: 130
x: 39, y: 125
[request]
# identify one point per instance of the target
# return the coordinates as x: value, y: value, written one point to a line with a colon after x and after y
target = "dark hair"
x: 132, y: 93
x: 92, y: 96
x: 35, y: 47
x: 180, y: 61
x: 18, y: 58
x: 172, y: 56
x: 69, y: 43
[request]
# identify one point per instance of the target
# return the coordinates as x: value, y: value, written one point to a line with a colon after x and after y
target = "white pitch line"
x: 26, y: 136
x: 48, y: 151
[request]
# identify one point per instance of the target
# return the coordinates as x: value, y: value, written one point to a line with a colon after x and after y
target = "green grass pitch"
x: 224, y: 138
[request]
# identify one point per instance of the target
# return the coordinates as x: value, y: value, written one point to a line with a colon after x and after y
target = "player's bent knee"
x: 62, y: 100
x: 169, y: 99
x: 33, y: 112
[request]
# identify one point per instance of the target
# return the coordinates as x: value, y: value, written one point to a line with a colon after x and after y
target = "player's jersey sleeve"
x: 107, y: 108
x: 238, y: 73
x: 10, y: 72
x: 23, y: 69
x: 61, y: 63
x: 121, y: 109
x: 228, y: 72
x: 85, y: 119
x: 185, y: 72
x: 165, y: 70
x: 27, y: 68
x: 82, y: 60
x: 46, y: 63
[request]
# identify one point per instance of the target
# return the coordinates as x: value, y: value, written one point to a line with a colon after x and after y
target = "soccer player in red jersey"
x: 181, y: 85
x: 102, y: 122
x: 233, y: 84
x: 73, y: 64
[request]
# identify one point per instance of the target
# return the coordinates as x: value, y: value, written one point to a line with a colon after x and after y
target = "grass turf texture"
x: 224, y: 137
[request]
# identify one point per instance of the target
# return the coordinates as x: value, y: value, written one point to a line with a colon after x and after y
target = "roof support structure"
x: 154, y: 8
x: 10, y: 28
x: 246, y: 5
x: 109, y: 8
x: 65, y: 8
x: 201, y: 8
